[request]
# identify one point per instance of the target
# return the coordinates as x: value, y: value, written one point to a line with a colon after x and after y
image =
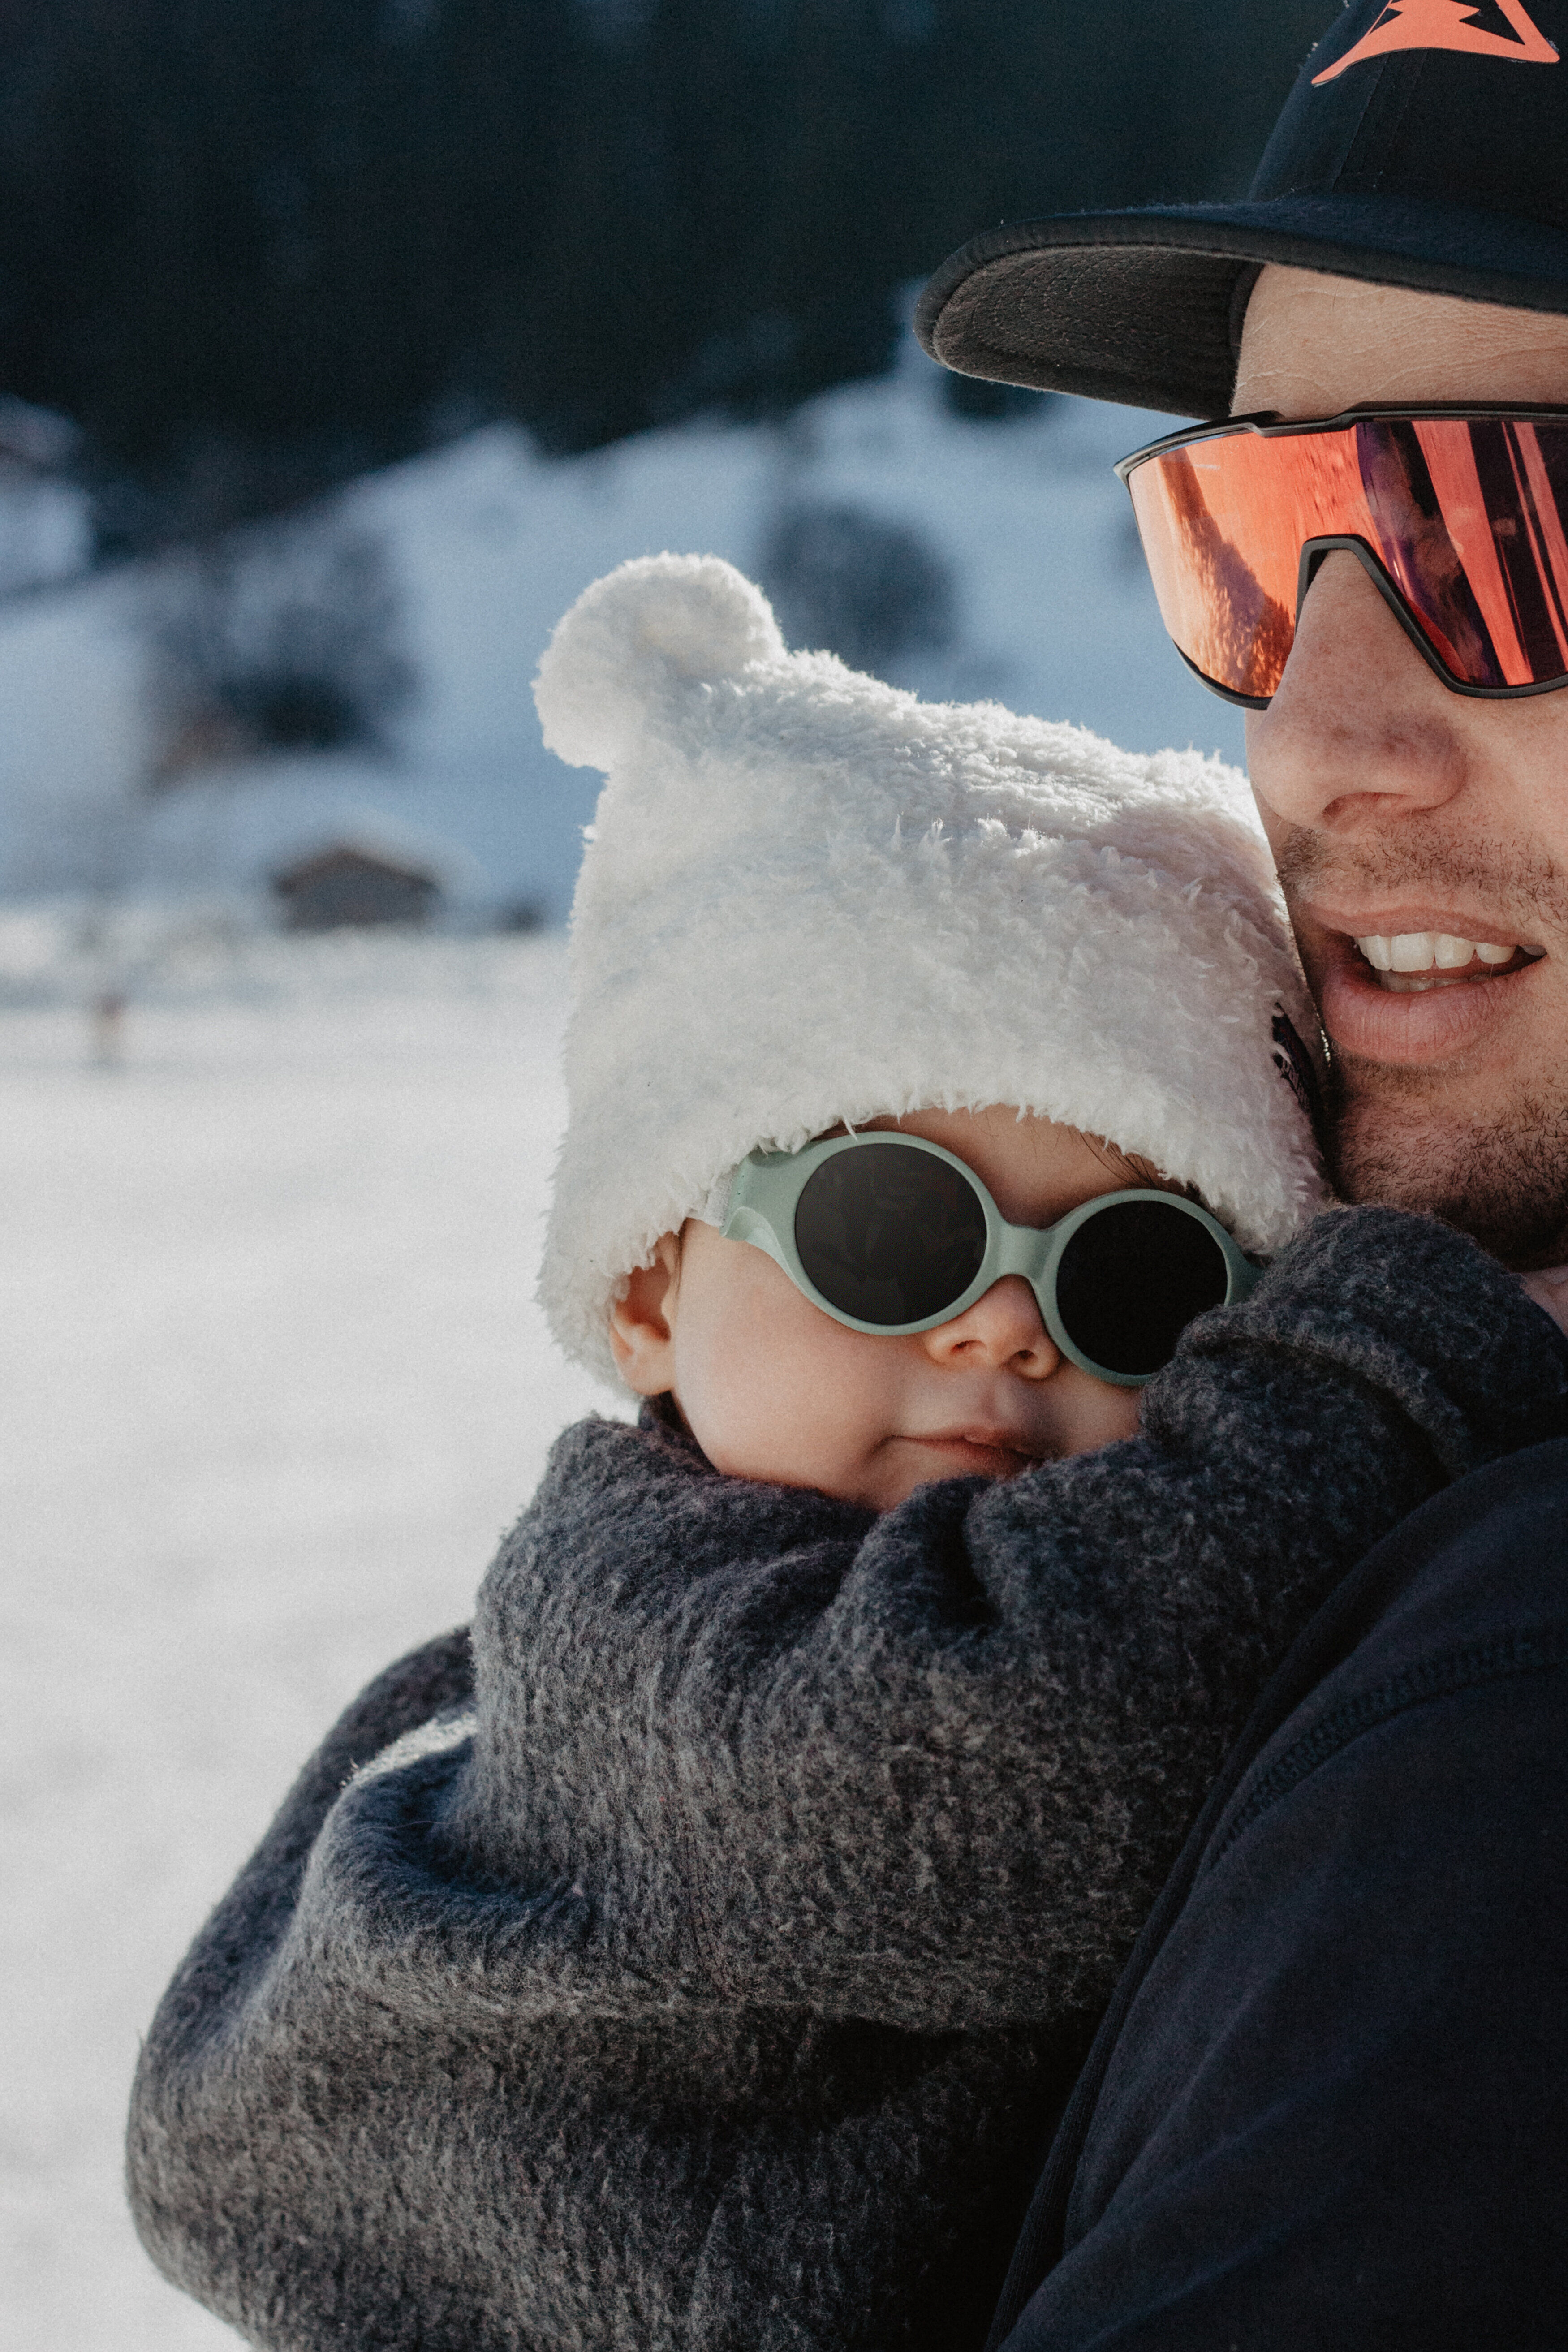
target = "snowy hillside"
x: 490, y: 544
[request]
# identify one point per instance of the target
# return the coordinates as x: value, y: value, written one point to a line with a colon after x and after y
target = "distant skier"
x: 107, y: 1025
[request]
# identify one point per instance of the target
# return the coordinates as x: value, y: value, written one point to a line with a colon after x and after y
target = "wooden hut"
x: 346, y: 885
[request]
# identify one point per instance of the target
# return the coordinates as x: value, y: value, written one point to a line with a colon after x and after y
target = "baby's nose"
x: 1000, y: 1330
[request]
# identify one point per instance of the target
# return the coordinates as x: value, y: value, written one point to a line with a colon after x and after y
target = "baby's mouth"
x: 1407, y: 962
x: 1003, y: 1451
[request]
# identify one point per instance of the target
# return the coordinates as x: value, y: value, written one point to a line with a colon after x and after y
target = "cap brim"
x: 1138, y: 306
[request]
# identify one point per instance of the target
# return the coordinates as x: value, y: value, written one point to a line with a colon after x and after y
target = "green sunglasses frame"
x: 765, y: 1191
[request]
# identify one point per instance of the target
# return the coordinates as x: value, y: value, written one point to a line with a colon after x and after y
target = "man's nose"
x: 1361, y: 730
x: 1001, y: 1331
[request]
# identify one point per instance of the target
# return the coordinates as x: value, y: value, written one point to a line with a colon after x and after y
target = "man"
x: 1328, y: 2106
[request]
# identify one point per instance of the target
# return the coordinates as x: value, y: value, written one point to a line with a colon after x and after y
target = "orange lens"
x: 1463, y: 518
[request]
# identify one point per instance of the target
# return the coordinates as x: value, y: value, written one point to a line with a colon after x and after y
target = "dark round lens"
x: 889, y: 1234
x: 1131, y: 1278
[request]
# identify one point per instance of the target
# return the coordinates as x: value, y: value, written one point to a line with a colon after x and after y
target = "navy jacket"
x: 1328, y: 2107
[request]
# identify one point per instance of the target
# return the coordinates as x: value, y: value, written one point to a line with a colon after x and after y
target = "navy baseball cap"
x: 1424, y: 144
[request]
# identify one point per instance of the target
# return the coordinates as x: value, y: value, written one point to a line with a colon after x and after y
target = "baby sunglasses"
x: 1458, y: 516
x: 891, y: 1234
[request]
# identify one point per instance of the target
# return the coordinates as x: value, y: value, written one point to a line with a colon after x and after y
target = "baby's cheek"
x: 1101, y: 1414
x: 774, y: 1389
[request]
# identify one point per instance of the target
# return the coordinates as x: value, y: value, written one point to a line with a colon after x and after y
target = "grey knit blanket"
x: 696, y: 1967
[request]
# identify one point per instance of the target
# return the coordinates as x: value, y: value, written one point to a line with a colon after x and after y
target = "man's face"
x: 1396, y: 808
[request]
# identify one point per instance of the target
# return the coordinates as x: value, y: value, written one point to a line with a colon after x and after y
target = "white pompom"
x: 633, y: 637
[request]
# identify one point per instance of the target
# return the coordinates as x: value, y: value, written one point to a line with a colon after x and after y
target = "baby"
x: 695, y: 1958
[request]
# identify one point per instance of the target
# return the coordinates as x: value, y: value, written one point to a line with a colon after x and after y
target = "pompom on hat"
x: 809, y: 896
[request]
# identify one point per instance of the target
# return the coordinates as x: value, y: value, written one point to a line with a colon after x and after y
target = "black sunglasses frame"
x: 1268, y: 425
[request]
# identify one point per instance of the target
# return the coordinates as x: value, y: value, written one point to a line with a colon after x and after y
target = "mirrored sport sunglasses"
x: 1457, y: 516
x: 893, y: 1234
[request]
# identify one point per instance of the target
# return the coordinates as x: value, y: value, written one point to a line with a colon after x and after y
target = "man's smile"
x: 1411, y: 985
x: 1407, y: 962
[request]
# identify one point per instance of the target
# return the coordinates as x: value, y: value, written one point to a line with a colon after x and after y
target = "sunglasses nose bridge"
x: 1025, y: 1250
x: 1315, y: 553
x: 1313, y: 556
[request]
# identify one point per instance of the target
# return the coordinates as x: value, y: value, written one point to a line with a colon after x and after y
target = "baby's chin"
x: 871, y: 1470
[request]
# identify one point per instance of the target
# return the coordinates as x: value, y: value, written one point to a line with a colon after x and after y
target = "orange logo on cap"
x: 1449, y: 25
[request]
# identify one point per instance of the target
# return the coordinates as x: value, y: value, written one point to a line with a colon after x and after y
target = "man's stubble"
x: 1496, y: 1164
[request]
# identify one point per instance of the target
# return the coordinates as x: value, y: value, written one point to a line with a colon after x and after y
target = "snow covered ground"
x: 271, y: 1383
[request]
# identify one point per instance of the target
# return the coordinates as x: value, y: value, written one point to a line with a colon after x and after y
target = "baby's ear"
x: 642, y: 1321
x: 633, y: 638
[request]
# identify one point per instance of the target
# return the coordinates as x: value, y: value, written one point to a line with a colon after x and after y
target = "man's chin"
x: 1505, y: 1184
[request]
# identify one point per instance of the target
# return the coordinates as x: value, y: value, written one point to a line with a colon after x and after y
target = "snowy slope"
x: 491, y: 543
x: 272, y: 1383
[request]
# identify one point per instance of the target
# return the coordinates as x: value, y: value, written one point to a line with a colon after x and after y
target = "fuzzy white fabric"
x: 810, y: 897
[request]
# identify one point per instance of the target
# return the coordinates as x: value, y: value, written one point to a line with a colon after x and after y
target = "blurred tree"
x: 283, y: 637
x: 867, y: 590
x: 252, y: 248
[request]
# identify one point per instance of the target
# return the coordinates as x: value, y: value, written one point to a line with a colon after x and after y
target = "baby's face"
x: 771, y: 1388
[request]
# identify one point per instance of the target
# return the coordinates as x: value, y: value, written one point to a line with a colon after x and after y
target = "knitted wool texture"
x: 808, y: 897
x: 698, y: 1971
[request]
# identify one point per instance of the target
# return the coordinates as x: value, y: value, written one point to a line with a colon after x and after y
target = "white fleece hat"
x: 809, y: 896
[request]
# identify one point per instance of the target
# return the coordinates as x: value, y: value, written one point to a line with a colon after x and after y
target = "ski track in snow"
x: 272, y: 1384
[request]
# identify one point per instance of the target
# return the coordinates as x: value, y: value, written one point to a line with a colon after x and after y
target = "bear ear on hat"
x: 633, y: 637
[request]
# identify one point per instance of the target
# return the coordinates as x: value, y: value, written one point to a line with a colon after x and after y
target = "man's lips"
x: 1409, y: 1022
x: 1357, y: 917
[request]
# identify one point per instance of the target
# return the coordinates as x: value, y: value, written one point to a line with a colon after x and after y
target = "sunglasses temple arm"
x: 745, y: 1225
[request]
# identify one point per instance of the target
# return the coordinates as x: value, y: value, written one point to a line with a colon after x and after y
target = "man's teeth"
x: 1432, y: 951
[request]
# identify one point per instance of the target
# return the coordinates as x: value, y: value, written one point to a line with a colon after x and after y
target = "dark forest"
x: 249, y: 247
